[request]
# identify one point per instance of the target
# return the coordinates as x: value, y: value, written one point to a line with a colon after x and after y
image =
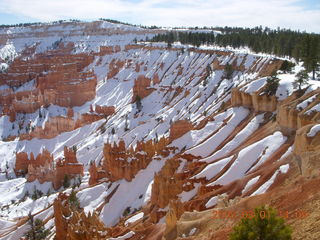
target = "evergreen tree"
x: 37, y: 231
x: 66, y: 181
x: 272, y: 85
x: 263, y: 225
x: 301, y: 79
x: 286, y: 66
x: 73, y: 200
x: 228, y: 71
x: 138, y: 103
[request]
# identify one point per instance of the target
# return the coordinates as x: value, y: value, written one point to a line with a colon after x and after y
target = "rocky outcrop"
x: 166, y: 186
x: 23, y: 162
x: 43, y: 168
x: 307, y: 150
x: 179, y: 128
x: 53, y: 78
x: 59, y: 124
x: 291, y: 116
x: 61, y: 214
x: 122, y: 163
x: 105, y: 110
x: 263, y: 103
x: 172, y: 217
x: 73, y: 224
x: 114, y: 68
x: 107, y: 50
x: 141, y: 87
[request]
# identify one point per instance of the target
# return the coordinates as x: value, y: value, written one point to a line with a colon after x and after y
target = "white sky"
x: 294, y: 14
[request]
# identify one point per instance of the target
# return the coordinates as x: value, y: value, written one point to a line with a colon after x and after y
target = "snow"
x: 287, y: 153
x: 212, y: 201
x: 5, y: 225
x: 250, y: 183
x: 192, y: 231
x: 247, y: 156
x: 213, y: 169
x: 186, y: 196
x: 249, y: 129
x: 208, y: 146
x: 315, y: 108
x: 147, y: 195
x: 264, y: 187
x: 254, y: 86
x: 306, y: 102
x: 160, y: 104
x: 8, y: 52
x: 134, y: 218
x: 123, y: 237
x: 91, y: 198
x: 127, y: 194
x: 314, y: 130
x: 285, y: 87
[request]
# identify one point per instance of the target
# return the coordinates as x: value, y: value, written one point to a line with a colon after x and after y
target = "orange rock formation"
x: 122, y: 163
x: 179, y: 128
x: 42, y: 167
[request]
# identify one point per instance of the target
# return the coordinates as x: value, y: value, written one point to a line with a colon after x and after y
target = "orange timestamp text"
x: 263, y: 214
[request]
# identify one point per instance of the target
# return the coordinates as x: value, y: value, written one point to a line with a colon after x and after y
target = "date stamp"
x: 263, y: 214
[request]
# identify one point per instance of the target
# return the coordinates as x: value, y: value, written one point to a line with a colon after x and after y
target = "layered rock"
x: 43, y: 168
x: 73, y: 224
x: 23, y: 162
x: 142, y: 87
x: 114, y: 68
x: 256, y: 101
x: 179, y: 128
x: 291, y: 116
x: 105, y: 110
x: 122, y: 163
x: 307, y: 149
x: 107, y: 50
x: 166, y: 186
x: 59, y: 124
x: 54, y: 78
x: 172, y: 217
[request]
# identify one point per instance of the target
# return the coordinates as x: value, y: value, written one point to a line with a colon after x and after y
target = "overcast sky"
x: 294, y: 14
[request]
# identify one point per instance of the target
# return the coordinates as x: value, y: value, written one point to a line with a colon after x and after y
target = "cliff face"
x: 306, y: 149
x: 141, y: 87
x: 43, y: 168
x: 122, y: 163
x: 60, y: 124
x: 256, y: 101
x: 23, y: 162
x: 179, y: 128
x: 296, y: 112
x: 55, y: 79
x: 105, y: 110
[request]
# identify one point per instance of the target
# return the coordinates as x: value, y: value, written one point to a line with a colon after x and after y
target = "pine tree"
x: 66, y: 181
x: 286, y: 66
x: 138, y: 103
x: 73, y: 200
x: 264, y: 224
x: 301, y: 79
x: 228, y: 71
x: 272, y: 85
x: 37, y: 231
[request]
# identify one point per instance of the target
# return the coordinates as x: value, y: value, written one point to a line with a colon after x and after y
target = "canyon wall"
x: 120, y: 162
x: 44, y: 169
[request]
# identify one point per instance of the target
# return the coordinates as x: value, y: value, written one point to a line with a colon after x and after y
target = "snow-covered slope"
x: 216, y: 140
